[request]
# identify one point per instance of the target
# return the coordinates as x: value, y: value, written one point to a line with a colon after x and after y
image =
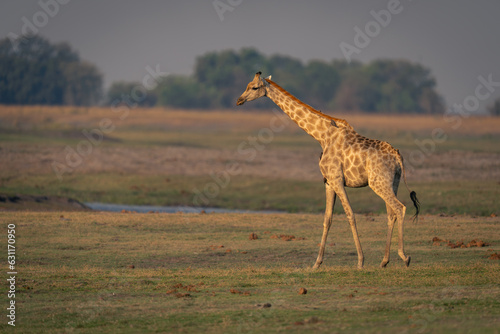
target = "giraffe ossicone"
x: 347, y: 160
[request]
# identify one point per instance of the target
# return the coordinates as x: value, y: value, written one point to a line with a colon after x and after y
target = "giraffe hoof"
x: 407, y: 262
x: 384, y: 264
x: 316, y: 266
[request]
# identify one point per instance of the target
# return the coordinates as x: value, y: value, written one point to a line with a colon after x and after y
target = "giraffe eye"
x: 255, y: 88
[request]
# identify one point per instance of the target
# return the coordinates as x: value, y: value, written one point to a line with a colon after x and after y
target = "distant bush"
x: 494, y: 109
x: 121, y: 91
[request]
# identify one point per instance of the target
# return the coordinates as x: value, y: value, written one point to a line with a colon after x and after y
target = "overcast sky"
x: 458, y: 40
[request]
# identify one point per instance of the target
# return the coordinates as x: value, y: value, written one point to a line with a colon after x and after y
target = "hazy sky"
x: 457, y: 40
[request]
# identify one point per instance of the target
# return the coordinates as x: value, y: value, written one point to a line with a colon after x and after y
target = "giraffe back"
x: 358, y: 159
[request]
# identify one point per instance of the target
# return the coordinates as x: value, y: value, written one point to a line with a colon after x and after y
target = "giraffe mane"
x: 317, y: 112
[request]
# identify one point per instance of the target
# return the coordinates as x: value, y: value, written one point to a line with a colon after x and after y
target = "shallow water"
x: 165, y: 209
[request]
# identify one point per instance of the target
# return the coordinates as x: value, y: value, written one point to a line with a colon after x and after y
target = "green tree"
x: 404, y: 87
x: 355, y: 92
x: 320, y: 82
x: 389, y: 86
x: 183, y: 92
x: 225, y: 74
x: 83, y: 84
x: 34, y: 71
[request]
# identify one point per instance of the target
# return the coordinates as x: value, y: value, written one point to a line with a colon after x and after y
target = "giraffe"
x: 347, y: 160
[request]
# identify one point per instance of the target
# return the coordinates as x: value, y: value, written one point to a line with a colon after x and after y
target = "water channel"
x: 165, y: 209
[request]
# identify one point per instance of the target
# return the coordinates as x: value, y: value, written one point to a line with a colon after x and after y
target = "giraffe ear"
x: 269, y: 77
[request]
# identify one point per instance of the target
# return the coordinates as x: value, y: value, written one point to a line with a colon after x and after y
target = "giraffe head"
x: 255, y: 89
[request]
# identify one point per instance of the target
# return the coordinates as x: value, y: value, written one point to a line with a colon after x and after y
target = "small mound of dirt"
x: 302, y: 291
x: 437, y: 241
x: 477, y: 243
x: 237, y: 292
x: 214, y: 247
x: 494, y: 256
x: 253, y: 236
x: 459, y: 244
x: 286, y: 237
x: 179, y: 286
x: 472, y: 243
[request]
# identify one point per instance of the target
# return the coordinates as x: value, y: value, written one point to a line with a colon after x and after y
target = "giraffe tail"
x: 413, y: 194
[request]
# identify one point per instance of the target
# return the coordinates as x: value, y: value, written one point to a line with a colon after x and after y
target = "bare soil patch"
x: 494, y: 256
x: 286, y: 237
x: 29, y: 117
x: 436, y: 241
x: 270, y: 163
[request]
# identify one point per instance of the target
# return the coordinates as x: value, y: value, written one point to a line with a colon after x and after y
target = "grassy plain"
x: 87, y: 272
x: 131, y: 273
x: 235, y: 159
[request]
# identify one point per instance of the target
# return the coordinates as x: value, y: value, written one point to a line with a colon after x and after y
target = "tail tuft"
x: 416, y: 203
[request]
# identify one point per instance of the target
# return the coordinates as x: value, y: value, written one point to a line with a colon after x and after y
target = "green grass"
x: 75, y: 274
x: 251, y: 193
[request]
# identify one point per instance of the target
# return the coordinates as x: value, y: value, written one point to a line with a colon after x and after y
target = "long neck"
x: 309, y: 119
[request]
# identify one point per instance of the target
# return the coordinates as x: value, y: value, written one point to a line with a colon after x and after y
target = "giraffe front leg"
x: 352, y: 221
x: 330, y: 203
x: 361, y: 257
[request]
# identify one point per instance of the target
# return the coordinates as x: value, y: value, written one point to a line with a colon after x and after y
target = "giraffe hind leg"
x: 391, y: 219
x: 401, y: 251
x: 397, y: 209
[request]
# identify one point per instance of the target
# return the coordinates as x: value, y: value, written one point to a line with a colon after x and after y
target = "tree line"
x: 389, y: 86
x: 34, y: 71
